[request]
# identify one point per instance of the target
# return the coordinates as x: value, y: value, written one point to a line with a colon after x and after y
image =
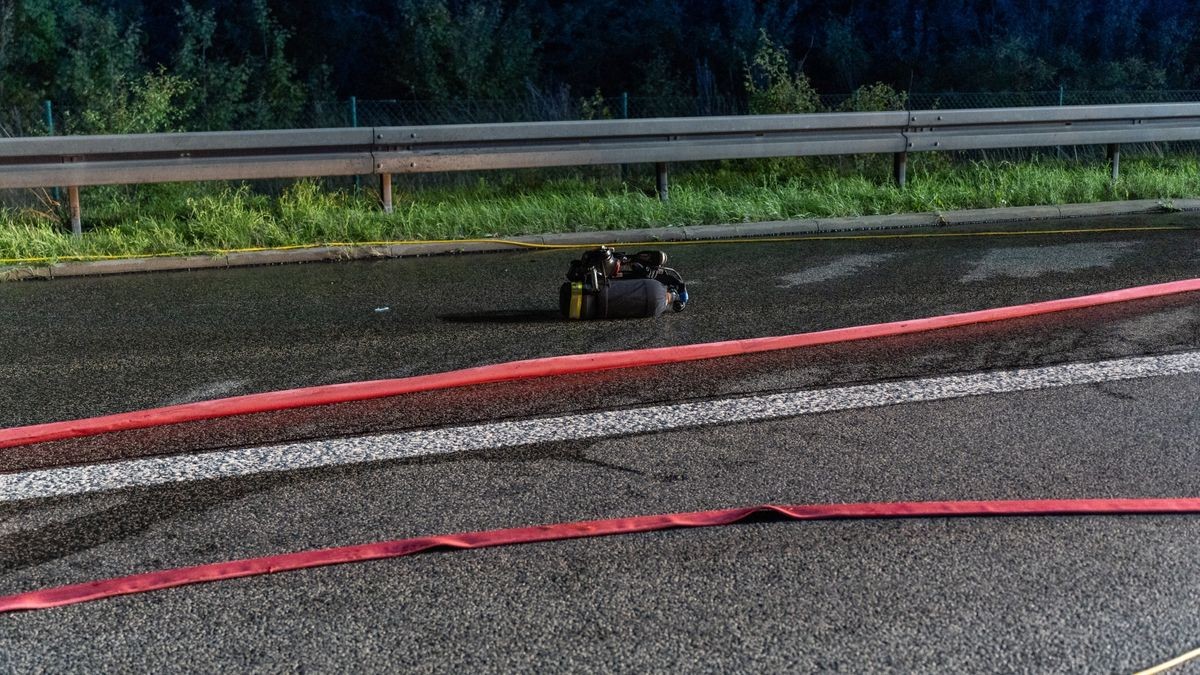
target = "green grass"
x: 175, y: 219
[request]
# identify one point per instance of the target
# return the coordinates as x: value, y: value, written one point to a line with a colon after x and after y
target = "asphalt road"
x: 1031, y: 594
x: 80, y: 347
x: 1110, y: 594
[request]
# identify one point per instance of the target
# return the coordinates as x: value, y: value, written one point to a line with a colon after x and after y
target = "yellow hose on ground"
x: 1173, y: 663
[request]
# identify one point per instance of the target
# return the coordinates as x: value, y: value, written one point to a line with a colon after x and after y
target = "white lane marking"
x: 342, y: 451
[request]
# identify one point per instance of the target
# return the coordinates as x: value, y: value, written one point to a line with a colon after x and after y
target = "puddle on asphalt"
x: 844, y: 266
x: 1026, y: 262
x: 49, y: 514
x: 207, y: 391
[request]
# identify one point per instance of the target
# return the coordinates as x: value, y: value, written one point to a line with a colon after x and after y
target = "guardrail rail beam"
x: 78, y: 161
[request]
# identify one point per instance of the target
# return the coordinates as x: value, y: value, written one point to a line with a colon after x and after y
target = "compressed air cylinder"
x: 635, y: 298
x: 616, y: 299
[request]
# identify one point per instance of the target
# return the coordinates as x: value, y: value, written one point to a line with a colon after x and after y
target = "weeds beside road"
x: 199, y: 218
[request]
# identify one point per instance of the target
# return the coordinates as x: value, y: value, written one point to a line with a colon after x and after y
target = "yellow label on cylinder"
x: 576, y: 300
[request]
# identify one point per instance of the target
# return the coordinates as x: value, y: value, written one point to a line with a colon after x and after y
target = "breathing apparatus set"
x: 606, y: 284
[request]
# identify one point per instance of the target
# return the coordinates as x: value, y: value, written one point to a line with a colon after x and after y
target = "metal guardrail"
x: 161, y: 158
x: 75, y: 161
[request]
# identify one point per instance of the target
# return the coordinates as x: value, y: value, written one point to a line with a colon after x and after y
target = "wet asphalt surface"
x: 1030, y: 594
x: 81, y: 347
x: 1012, y: 594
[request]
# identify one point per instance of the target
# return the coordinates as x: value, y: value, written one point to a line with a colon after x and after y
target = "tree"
x: 280, y: 95
x: 478, y: 50
x: 845, y: 52
x: 217, y: 95
x: 103, y: 82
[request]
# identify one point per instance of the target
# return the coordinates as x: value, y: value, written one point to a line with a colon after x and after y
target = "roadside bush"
x: 774, y: 89
x: 594, y: 107
x: 877, y: 97
x: 772, y: 86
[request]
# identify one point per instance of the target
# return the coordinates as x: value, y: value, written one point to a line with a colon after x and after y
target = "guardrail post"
x: 385, y: 191
x: 660, y: 168
x: 900, y: 168
x: 76, y: 221
x: 1114, y: 160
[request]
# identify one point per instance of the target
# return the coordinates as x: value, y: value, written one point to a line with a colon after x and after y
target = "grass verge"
x: 199, y: 218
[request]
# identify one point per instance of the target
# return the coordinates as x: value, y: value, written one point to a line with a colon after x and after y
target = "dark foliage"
x: 220, y: 63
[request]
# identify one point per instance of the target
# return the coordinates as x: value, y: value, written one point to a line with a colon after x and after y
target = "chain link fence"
x: 537, y: 109
x: 563, y: 107
x: 23, y: 120
x: 50, y: 119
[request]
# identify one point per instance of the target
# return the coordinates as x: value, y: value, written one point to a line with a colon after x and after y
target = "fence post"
x: 660, y: 168
x: 48, y: 107
x: 354, y: 123
x: 900, y: 168
x: 1114, y: 160
x: 1061, y: 96
x: 72, y: 190
x: 624, y: 116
